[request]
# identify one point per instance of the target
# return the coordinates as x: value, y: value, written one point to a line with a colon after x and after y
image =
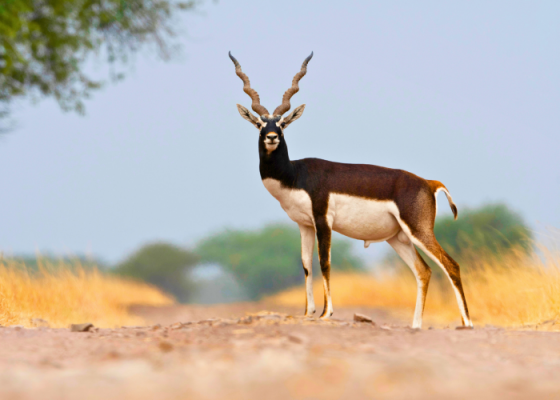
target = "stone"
x: 273, y: 317
x: 40, y: 323
x: 295, y: 339
x: 247, y: 320
x: 165, y: 346
x: 386, y: 327
x: 86, y: 327
x: 363, y: 318
x: 209, y: 321
x: 17, y: 327
x: 179, y: 325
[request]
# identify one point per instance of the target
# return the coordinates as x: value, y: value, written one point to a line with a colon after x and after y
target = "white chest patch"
x: 296, y: 202
x: 363, y: 219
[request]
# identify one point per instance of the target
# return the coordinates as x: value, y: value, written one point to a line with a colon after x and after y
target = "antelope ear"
x: 249, y: 116
x: 293, y: 116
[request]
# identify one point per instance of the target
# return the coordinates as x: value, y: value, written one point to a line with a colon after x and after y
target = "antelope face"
x: 271, y: 132
x: 271, y: 127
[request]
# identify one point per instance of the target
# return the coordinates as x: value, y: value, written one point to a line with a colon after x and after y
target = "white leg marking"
x: 418, y: 243
x: 307, y: 245
x: 407, y: 252
x: 330, y: 310
x: 326, y: 285
x: 467, y: 320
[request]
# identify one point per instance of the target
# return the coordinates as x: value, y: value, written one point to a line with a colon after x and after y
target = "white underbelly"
x: 295, y: 202
x: 355, y: 217
x: 363, y: 219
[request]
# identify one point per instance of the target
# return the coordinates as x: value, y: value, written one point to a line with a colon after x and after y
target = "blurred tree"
x: 163, y: 265
x: 491, y: 228
x: 44, y: 43
x: 268, y: 260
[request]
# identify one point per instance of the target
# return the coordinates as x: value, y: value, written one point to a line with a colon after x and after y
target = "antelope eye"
x: 283, y: 124
x: 259, y: 125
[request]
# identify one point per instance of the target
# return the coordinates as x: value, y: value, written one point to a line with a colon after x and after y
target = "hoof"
x: 464, y: 328
x: 326, y: 317
x: 309, y: 313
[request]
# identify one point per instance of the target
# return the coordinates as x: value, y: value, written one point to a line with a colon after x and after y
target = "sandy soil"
x: 196, y: 352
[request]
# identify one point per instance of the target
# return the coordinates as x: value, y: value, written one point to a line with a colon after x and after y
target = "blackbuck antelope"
x: 364, y: 202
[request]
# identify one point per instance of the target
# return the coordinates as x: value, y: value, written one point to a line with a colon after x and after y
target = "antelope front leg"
x: 307, y: 246
x: 324, y: 233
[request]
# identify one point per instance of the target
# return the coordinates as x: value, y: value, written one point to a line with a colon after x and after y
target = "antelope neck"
x: 277, y: 164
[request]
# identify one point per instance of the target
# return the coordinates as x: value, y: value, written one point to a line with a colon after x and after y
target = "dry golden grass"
x: 63, y: 295
x: 515, y: 290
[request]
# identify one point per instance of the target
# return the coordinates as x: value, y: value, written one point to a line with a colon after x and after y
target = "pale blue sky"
x: 466, y: 93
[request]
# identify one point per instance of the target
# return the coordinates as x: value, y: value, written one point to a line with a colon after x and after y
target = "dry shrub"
x: 513, y: 290
x: 64, y: 294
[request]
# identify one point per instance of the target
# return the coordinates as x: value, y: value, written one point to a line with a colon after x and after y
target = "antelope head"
x: 270, y: 126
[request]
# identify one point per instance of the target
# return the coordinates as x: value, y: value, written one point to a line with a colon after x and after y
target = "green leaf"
x: 44, y: 43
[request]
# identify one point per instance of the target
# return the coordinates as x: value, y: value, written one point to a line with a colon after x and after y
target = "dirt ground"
x: 238, y: 352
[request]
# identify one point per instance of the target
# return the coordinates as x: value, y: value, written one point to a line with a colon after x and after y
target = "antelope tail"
x: 436, y: 186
